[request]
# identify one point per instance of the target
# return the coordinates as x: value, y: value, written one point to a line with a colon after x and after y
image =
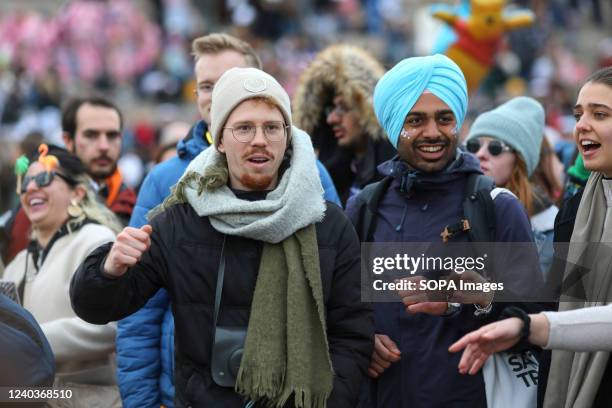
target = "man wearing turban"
x: 421, y: 104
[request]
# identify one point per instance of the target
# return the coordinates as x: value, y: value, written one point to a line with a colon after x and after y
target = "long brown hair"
x: 544, y: 175
x: 519, y: 184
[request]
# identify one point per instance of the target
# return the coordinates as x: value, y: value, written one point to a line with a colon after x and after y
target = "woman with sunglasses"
x: 507, y: 141
x: 579, y: 373
x: 67, y: 224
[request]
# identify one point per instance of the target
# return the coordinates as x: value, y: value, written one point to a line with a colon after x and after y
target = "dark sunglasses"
x: 44, y: 179
x: 495, y: 147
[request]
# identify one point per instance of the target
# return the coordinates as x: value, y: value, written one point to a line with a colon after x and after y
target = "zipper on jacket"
x: 398, y: 228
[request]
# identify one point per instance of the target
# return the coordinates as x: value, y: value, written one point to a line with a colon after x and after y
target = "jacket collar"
x: 408, y: 178
x: 195, y: 141
x: 39, y: 254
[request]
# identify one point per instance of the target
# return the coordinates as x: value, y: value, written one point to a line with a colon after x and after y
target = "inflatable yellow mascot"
x: 479, y: 36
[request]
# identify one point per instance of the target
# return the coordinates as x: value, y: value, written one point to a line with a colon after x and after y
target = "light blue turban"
x: 399, y: 89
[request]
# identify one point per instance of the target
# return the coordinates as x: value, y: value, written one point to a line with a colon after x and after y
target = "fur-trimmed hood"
x: 338, y: 69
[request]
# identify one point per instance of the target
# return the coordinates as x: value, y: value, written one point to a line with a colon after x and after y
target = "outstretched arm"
x: 495, y: 337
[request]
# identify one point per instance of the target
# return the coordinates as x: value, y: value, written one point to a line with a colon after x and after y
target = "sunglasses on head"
x: 495, y: 147
x: 43, y: 179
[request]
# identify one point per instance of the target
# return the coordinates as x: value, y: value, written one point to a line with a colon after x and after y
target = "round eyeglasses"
x: 273, y: 131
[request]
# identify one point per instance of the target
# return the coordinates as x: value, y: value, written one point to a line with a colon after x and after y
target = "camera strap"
x: 220, y: 276
x: 228, y: 341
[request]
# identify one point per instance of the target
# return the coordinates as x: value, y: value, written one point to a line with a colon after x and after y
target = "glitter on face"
x: 407, y: 134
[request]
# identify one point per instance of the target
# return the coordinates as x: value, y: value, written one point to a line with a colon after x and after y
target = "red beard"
x: 256, y: 182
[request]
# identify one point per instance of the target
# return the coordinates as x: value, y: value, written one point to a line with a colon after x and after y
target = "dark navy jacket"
x: 416, y: 208
x: 26, y: 359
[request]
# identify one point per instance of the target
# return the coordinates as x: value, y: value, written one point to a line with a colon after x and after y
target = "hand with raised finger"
x: 385, y: 353
x: 489, y: 339
x: 127, y: 250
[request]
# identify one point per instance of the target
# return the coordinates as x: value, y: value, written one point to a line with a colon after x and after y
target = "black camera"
x: 227, y: 352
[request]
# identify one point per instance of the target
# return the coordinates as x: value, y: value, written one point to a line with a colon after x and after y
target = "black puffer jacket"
x: 184, y: 258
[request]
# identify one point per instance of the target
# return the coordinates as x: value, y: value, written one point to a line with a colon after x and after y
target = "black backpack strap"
x: 479, y: 209
x: 371, y: 195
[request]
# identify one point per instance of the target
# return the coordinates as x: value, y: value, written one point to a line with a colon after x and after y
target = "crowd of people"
x: 46, y: 58
x: 230, y: 276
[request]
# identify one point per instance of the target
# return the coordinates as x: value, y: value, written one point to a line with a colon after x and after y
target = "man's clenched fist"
x: 385, y: 353
x: 127, y: 250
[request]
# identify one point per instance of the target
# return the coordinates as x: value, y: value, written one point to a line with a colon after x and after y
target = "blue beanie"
x: 519, y: 123
x: 399, y: 89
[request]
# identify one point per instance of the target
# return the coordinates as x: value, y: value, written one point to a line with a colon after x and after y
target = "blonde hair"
x: 218, y: 42
x: 93, y: 209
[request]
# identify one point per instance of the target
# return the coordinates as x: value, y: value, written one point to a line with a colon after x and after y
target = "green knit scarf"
x: 286, y: 351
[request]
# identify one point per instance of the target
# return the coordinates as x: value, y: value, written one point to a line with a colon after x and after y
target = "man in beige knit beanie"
x: 242, y: 99
x: 262, y: 272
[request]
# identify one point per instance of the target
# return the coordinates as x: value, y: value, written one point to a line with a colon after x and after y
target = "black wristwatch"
x: 513, y: 311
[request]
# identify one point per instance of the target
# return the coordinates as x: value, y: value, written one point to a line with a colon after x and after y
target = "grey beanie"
x: 519, y: 123
x: 237, y: 85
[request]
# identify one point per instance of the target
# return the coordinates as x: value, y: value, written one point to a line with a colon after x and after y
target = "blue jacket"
x: 145, y: 340
x: 416, y: 208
